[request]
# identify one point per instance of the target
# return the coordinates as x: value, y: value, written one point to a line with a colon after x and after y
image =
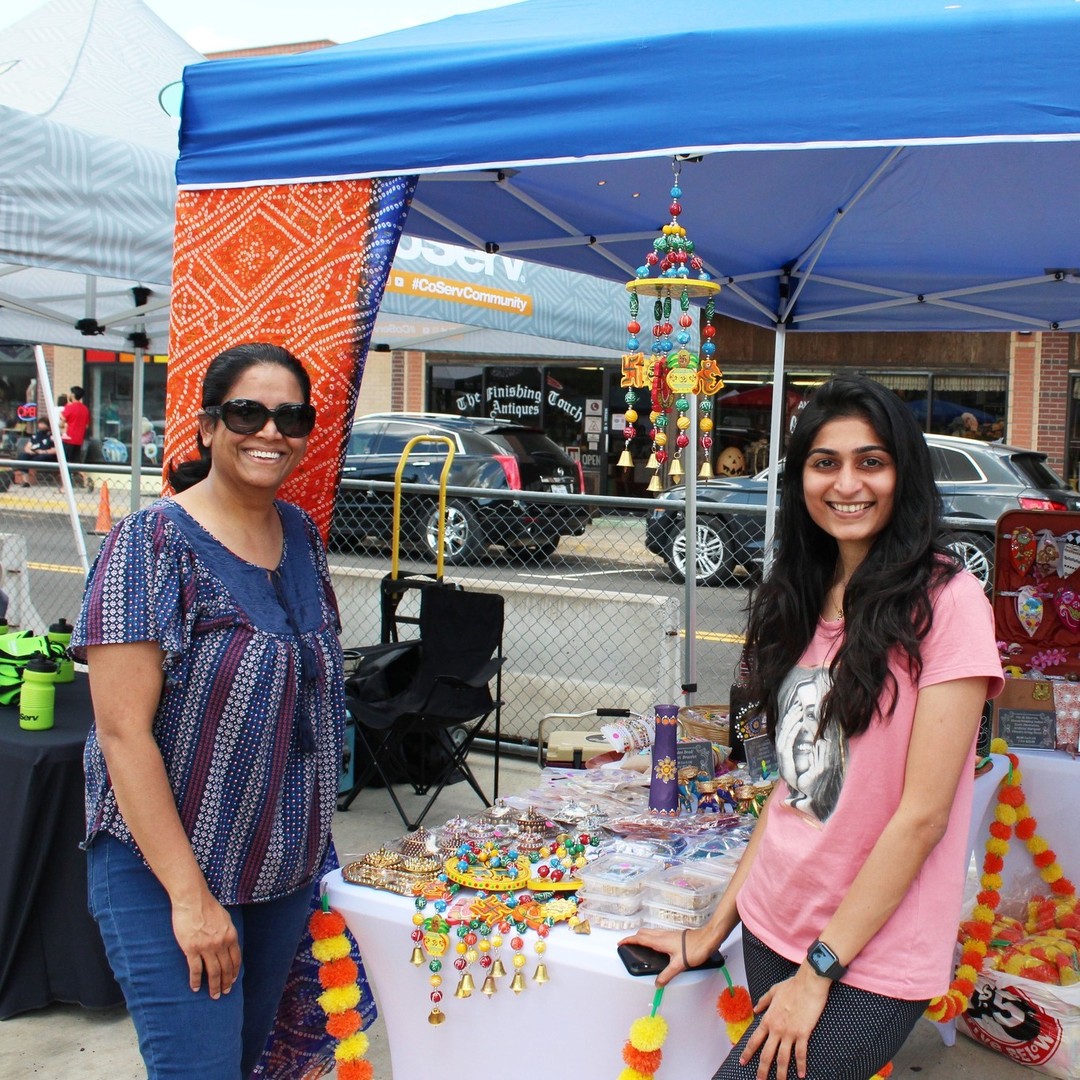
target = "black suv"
x: 494, y: 454
x: 978, y: 482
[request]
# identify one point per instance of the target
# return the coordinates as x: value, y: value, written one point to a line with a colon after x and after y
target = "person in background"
x: 40, y: 448
x: 210, y: 629
x: 74, y: 420
x: 849, y: 905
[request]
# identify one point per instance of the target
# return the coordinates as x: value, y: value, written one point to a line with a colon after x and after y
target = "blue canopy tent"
x: 846, y: 164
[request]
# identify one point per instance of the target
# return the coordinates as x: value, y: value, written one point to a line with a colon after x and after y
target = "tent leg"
x: 776, y: 432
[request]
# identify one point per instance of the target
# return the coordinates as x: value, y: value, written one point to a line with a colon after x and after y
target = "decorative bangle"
x: 682, y: 939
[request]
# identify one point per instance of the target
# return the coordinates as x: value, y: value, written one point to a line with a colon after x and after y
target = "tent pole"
x: 776, y: 430
x: 689, y: 672
x: 45, y: 392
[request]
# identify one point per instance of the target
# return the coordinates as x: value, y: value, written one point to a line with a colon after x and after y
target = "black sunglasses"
x: 244, y: 417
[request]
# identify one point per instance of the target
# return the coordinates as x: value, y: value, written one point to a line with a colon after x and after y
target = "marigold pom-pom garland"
x: 338, y: 975
x: 1012, y: 816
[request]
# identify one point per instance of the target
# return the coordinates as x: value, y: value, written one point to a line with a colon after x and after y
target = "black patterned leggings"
x: 858, y: 1033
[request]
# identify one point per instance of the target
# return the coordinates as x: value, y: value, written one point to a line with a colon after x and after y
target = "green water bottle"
x: 37, y: 701
x: 59, y: 639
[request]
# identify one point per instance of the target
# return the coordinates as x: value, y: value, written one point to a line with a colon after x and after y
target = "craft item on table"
x: 662, y: 826
x: 1067, y: 606
x: 556, y: 867
x: 501, y: 814
x: 709, y: 797
x: 418, y: 843
x: 1029, y: 608
x: 532, y: 830
x: 1067, y: 714
x: 391, y: 871
x: 338, y: 975
x: 1022, y: 549
x: 688, y: 790
x: 488, y: 867
x: 663, y: 779
x: 1048, y: 555
x: 1007, y: 650
x: 643, y: 1051
x: 1070, y: 558
x: 629, y: 736
x: 1045, y: 659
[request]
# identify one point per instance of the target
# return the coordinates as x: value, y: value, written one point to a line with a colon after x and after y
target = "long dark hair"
x: 221, y: 376
x: 887, y: 604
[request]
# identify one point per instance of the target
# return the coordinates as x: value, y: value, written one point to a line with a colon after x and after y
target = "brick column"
x: 1053, y: 397
x: 1023, y: 388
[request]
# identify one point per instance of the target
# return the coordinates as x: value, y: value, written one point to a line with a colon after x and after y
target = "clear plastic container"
x: 670, y: 917
x: 616, y: 905
x: 616, y: 875
x: 689, y: 888
x: 607, y: 920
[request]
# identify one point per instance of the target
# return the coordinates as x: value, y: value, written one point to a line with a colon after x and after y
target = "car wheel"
x: 976, y: 554
x: 713, y: 555
x: 463, y: 542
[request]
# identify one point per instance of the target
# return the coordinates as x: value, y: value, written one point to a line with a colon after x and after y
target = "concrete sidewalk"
x: 65, y: 1041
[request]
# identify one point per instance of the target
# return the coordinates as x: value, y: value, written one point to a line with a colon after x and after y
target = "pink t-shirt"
x: 836, y: 795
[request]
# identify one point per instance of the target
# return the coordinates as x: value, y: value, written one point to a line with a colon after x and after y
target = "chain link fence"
x: 593, y: 618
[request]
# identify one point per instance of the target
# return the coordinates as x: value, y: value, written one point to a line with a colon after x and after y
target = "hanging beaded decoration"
x: 674, y: 376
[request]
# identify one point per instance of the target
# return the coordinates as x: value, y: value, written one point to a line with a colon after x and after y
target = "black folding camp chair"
x: 418, y: 704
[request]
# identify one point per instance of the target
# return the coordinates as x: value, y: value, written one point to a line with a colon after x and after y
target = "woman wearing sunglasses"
x: 209, y: 626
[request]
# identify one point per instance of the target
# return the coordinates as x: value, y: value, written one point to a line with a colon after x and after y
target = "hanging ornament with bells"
x: 673, y: 378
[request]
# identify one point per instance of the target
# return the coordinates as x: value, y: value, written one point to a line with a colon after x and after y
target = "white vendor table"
x: 1051, y: 782
x: 578, y: 1021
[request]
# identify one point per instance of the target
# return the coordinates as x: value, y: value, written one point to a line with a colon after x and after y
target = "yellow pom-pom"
x: 352, y: 1048
x: 992, y: 882
x: 1052, y: 873
x: 1005, y: 814
x: 999, y: 746
x: 982, y: 913
x: 736, y: 1029
x: 1037, y: 845
x: 997, y: 847
x: 966, y: 971
x: 648, y: 1033
x: 330, y: 948
x: 976, y: 946
x: 339, y: 999
x: 633, y: 1074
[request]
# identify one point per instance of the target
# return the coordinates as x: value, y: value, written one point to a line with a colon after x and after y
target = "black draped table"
x: 50, y: 947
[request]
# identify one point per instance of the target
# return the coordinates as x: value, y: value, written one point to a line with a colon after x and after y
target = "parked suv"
x: 498, y: 455
x: 978, y: 482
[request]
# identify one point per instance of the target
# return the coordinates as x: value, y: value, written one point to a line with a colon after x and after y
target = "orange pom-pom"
x: 938, y: 1010
x: 734, y: 1005
x: 980, y: 931
x: 342, y: 1025
x: 1063, y: 887
x: 1025, y: 829
x: 355, y: 1070
x: 326, y: 924
x: 964, y: 986
x: 990, y: 897
x: 1044, y: 859
x: 993, y: 864
x: 343, y: 972
x: 1000, y: 830
x: 645, y: 1062
x: 885, y: 1071
x: 972, y: 957
x: 1011, y: 796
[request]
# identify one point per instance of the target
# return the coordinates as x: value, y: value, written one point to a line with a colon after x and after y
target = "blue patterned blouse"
x: 251, y: 717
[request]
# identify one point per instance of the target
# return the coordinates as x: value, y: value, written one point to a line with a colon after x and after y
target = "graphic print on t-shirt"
x: 813, y: 768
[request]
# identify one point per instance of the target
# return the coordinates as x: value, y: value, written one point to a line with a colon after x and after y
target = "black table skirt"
x: 50, y: 947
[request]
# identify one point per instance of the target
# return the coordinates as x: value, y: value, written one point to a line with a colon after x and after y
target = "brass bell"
x: 517, y: 983
x: 465, y: 986
x: 654, y: 483
x: 417, y: 956
x: 489, y: 986
x: 706, y: 472
x: 497, y: 969
x: 652, y: 463
x: 625, y: 460
x: 436, y: 1017
x: 540, y: 975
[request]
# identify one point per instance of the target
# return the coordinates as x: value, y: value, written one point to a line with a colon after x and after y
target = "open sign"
x: 27, y: 412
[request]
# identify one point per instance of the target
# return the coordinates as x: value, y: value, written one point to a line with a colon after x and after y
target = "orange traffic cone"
x: 103, y: 524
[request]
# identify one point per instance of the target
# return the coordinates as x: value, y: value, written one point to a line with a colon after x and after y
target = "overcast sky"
x: 212, y: 25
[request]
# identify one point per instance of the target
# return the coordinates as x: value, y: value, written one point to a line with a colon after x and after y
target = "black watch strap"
x: 824, y: 961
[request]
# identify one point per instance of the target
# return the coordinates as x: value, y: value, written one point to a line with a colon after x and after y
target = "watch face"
x: 822, y: 958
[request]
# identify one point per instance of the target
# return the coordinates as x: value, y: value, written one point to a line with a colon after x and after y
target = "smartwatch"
x: 824, y: 961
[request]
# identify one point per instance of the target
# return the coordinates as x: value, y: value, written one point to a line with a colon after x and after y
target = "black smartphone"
x: 641, y: 960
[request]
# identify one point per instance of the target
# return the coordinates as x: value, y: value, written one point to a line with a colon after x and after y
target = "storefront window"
x: 1072, y: 445
x: 514, y: 393
x: 18, y: 381
x: 456, y: 388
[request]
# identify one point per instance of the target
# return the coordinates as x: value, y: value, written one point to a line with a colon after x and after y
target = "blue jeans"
x: 183, y: 1034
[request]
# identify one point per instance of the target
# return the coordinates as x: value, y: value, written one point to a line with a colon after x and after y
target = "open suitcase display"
x: 1037, y: 613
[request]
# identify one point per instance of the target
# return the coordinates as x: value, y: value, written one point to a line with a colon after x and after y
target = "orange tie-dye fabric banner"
x: 299, y: 265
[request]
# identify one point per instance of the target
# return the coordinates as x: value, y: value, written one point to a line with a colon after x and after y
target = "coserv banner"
x: 299, y: 265
x: 499, y: 292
